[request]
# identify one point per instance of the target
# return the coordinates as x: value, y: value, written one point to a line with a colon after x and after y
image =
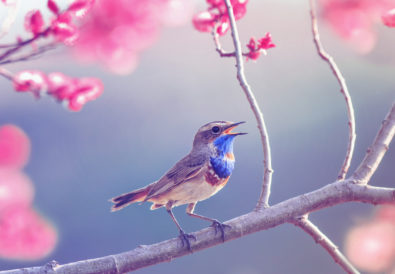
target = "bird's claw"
x: 220, y: 227
x: 185, y: 239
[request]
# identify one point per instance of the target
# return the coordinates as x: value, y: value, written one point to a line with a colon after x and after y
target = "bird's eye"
x: 215, y: 129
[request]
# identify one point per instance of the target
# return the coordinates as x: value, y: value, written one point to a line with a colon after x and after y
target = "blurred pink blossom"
x: 114, y: 33
x: 14, y: 147
x: 216, y: 14
x: 354, y: 20
x: 73, y: 91
x: 16, y: 189
x: 34, y: 22
x: 25, y: 235
x: 371, y: 246
x: 388, y: 18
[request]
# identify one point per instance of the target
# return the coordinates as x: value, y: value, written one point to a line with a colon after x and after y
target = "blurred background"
x: 146, y: 120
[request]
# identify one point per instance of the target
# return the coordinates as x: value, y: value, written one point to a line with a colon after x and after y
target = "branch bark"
x: 320, y: 238
x: 284, y: 212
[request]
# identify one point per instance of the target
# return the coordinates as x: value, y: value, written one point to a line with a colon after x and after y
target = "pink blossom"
x: 34, y: 22
x: 216, y: 14
x: 75, y: 92
x: 354, y: 20
x: 257, y: 48
x: 53, y: 7
x: 16, y: 189
x: 80, y: 7
x: 204, y: 21
x: 63, y: 29
x: 29, y: 80
x: 87, y: 89
x: 14, y: 147
x: 59, y: 85
x: 371, y: 246
x: 25, y: 234
x: 115, y: 32
x: 388, y: 18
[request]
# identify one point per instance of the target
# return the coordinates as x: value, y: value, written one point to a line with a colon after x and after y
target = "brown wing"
x: 182, y: 171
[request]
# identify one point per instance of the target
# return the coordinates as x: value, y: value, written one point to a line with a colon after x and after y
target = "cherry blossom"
x: 388, y: 18
x: 216, y: 15
x: 34, y: 22
x: 256, y: 48
x: 371, y: 245
x: 24, y: 234
x: 14, y: 147
x: 73, y: 91
x: 115, y: 32
x: 354, y: 20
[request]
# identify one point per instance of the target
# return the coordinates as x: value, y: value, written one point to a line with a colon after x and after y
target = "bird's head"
x: 218, y: 130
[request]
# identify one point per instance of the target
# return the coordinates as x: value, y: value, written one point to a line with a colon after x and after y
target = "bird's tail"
x: 128, y: 198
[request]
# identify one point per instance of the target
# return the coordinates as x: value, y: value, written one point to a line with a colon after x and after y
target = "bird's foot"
x: 220, y: 227
x: 185, y: 239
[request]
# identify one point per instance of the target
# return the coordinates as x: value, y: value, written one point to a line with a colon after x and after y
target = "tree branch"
x: 263, y: 201
x: 343, y: 89
x: 284, y: 212
x: 376, y: 151
x: 321, y: 239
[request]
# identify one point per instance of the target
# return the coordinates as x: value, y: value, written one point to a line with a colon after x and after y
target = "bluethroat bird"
x: 196, y: 177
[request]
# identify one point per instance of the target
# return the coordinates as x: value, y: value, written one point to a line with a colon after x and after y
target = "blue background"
x: 144, y: 122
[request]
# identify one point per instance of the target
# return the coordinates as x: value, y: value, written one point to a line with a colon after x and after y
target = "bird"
x: 196, y: 177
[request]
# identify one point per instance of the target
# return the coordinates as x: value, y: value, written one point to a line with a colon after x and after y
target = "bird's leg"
x: 183, y: 236
x: 216, y: 224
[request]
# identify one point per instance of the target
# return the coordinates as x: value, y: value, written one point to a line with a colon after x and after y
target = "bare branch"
x: 321, y: 239
x: 6, y: 74
x: 218, y: 46
x: 376, y: 152
x: 29, y: 56
x: 263, y: 201
x: 284, y: 212
x: 343, y: 89
x: 22, y: 44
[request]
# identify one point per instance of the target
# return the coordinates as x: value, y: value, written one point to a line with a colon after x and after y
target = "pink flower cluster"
x: 370, y: 246
x: 216, y: 15
x: 24, y: 234
x: 354, y: 20
x: 61, y: 26
x: 115, y: 32
x: 256, y: 48
x: 73, y: 92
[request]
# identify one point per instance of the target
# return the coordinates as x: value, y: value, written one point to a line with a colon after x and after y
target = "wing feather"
x: 184, y: 170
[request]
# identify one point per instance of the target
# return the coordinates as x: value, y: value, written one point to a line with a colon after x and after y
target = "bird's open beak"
x: 228, y: 129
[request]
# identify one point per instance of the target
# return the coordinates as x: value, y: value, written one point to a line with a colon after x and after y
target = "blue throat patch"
x: 222, y: 165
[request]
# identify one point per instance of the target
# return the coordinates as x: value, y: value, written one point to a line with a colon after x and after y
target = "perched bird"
x: 196, y: 177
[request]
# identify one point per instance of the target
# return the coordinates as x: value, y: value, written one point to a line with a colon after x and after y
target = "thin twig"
x: 218, y: 46
x: 343, y: 89
x: 263, y: 201
x: 6, y: 74
x: 377, y: 150
x: 31, y: 55
x: 321, y: 239
x: 22, y: 44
